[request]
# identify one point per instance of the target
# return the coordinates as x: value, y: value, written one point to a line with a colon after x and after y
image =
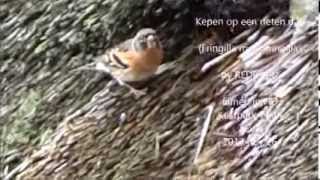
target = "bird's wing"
x: 116, y: 58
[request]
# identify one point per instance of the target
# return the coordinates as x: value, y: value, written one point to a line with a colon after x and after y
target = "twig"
x: 16, y: 170
x: 204, y: 132
x: 157, y: 147
x: 218, y: 59
x: 158, y: 139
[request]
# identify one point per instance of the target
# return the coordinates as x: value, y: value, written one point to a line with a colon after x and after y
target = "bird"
x: 134, y: 60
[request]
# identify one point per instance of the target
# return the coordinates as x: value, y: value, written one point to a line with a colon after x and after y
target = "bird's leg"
x: 137, y: 92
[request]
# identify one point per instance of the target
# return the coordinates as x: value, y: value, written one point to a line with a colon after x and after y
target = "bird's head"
x: 146, y: 38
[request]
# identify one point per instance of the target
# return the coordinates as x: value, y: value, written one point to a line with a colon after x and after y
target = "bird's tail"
x: 87, y: 67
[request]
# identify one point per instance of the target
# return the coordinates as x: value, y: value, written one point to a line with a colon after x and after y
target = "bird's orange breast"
x: 144, y: 61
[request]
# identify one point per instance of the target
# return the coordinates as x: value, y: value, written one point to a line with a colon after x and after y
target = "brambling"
x: 136, y: 59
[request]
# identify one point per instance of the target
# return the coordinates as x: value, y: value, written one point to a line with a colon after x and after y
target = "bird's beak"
x: 152, y: 41
x: 151, y: 38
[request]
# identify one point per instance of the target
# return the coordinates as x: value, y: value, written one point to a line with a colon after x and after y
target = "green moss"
x: 22, y: 129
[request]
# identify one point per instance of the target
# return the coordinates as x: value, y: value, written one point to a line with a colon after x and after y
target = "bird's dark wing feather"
x: 111, y: 60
